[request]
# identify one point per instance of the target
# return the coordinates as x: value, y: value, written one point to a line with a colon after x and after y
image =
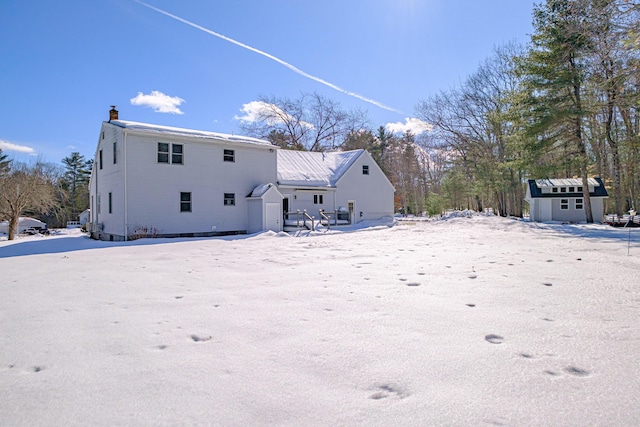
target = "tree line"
x: 563, y: 105
x: 54, y: 193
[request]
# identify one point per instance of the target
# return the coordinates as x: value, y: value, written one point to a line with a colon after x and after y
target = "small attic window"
x: 563, y: 189
x: 365, y: 169
x: 572, y: 189
x: 579, y: 190
x: 229, y: 156
x: 554, y: 190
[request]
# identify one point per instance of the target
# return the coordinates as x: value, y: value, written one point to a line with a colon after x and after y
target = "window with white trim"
x: 115, y: 153
x: 365, y: 169
x: 579, y: 204
x: 572, y: 189
x: 176, y: 151
x: 176, y: 154
x: 229, y: 199
x: 563, y: 189
x: 554, y: 190
x: 110, y: 202
x: 318, y: 199
x: 564, y: 204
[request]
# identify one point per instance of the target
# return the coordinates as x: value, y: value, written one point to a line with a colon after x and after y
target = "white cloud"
x: 160, y: 102
x: 260, y: 111
x: 416, y: 126
x: 8, y: 146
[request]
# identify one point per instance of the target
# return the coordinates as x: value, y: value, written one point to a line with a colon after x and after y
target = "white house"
x: 349, y: 181
x: 563, y: 199
x: 24, y: 222
x: 83, y: 218
x: 150, y: 180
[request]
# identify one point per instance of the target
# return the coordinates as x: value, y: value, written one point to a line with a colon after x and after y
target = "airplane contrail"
x: 273, y: 58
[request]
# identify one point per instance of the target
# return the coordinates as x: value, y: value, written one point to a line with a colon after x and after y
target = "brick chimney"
x: 113, y: 113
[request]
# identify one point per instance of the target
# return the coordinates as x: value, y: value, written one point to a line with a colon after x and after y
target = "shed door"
x: 272, y: 216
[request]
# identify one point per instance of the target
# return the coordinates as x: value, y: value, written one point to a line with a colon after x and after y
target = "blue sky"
x: 64, y: 63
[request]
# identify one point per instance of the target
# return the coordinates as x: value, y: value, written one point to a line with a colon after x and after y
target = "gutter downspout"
x: 124, y: 166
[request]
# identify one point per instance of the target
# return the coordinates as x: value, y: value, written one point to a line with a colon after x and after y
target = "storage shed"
x: 563, y: 199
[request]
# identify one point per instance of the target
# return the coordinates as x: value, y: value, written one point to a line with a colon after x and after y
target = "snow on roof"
x: 168, y: 130
x: 313, y: 168
x: 561, y: 182
x: 260, y: 190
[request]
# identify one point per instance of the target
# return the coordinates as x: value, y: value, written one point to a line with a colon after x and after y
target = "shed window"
x: 229, y: 156
x: 229, y: 199
x: 579, y: 204
x: 185, y: 202
x: 564, y: 204
x: 318, y: 199
x: 365, y: 169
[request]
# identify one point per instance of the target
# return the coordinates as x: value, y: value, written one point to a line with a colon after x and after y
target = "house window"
x: 564, y: 204
x: 164, y: 148
x: 163, y: 152
x: 572, y: 189
x: 100, y: 159
x: 579, y: 189
x: 229, y: 199
x: 176, y: 154
x: 115, y: 157
x: 365, y: 169
x: 229, y: 156
x: 98, y: 203
x: 554, y: 190
x: 318, y: 199
x: 110, y: 202
x: 579, y: 204
x: 185, y: 202
x: 563, y: 189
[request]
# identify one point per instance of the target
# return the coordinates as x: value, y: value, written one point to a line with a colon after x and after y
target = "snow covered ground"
x: 464, y: 321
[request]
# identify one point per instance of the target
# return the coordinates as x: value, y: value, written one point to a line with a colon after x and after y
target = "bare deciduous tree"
x: 311, y: 122
x: 27, y: 188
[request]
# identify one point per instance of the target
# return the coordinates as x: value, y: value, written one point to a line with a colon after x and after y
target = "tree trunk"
x: 14, y: 221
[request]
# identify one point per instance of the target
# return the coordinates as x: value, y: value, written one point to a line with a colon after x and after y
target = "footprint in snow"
x: 197, y: 338
x: 388, y: 390
x: 578, y: 372
x: 493, y: 339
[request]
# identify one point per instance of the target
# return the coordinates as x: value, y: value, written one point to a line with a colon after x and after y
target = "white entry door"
x: 272, y: 217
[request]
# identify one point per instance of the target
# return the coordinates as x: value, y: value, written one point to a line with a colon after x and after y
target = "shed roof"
x: 536, y: 186
x: 168, y: 130
x: 563, y: 182
x: 307, y: 168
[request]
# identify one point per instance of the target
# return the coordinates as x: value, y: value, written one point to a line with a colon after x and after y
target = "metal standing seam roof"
x: 168, y: 130
x: 305, y: 168
x: 536, y: 185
